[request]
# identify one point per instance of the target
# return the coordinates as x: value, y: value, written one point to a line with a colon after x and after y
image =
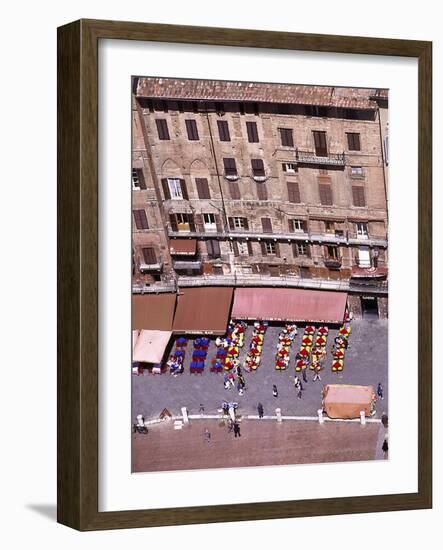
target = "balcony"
x: 187, y: 264
x: 310, y: 157
x: 332, y: 263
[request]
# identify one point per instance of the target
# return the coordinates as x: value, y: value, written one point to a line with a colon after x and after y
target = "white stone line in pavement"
x: 256, y: 417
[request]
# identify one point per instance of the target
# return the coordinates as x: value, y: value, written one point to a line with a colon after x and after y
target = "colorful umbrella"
x: 233, y: 352
x: 254, y: 351
x: 339, y: 353
x: 344, y: 331
x: 304, y: 352
x: 306, y: 340
x: 323, y: 330
x: 320, y: 341
x: 309, y: 329
x: 337, y: 364
x: 299, y: 364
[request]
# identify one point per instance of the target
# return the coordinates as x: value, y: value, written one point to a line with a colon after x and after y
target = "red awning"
x: 183, y: 247
x: 203, y: 310
x: 286, y: 304
x: 153, y: 311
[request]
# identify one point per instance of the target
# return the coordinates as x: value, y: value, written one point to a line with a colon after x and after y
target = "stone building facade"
x: 259, y: 184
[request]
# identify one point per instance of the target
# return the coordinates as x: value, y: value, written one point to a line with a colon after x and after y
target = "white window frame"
x: 357, y: 171
x: 298, y: 226
x: 239, y: 222
x: 135, y: 180
x: 304, y: 248
x: 362, y: 230
x: 242, y: 248
x: 271, y: 247
x: 288, y: 170
x: 209, y: 225
x: 175, y: 188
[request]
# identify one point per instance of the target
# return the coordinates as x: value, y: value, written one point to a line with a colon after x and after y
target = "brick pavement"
x: 262, y: 442
x: 366, y: 363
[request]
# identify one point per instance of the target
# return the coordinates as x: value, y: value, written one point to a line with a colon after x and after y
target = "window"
x: 300, y: 249
x: 286, y: 137
x: 353, y: 141
x: 191, y: 129
x: 258, y: 168
x: 238, y: 223
x: 149, y: 256
x: 266, y: 225
x: 138, y: 179
x: 223, y: 130
x: 270, y: 247
x: 357, y: 172
x: 209, y: 222
x: 298, y: 226
x: 293, y: 192
x: 363, y: 257
x: 230, y: 167
x: 362, y: 230
x: 330, y: 227
x: 262, y: 192
x: 202, y: 188
x: 175, y: 188
x: 243, y: 248
x: 358, y: 196
x: 141, y: 221
x: 289, y: 167
x: 162, y: 128
x: 251, y: 128
x: 332, y: 252
x: 213, y: 248
x: 321, y: 148
x: 234, y: 190
x: 325, y: 194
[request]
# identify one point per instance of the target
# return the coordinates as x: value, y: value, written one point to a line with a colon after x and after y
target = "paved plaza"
x: 366, y: 362
x: 262, y: 443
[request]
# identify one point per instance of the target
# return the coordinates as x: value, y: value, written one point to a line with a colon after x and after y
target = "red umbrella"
x: 336, y: 364
x: 300, y: 364
x: 254, y: 351
x: 320, y: 341
x: 257, y: 339
x: 282, y: 352
x: 280, y: 363
x: 229, y: 364
x: 304, y: 352
x: 344, y: 331
x: 323, y: 330
x: 309, y: 329
x: 307, y: 340
x: 338, y: 353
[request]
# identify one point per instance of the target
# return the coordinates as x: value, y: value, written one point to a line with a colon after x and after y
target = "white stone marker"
x: 185, y: 415
x: 278, y: 413
x: 321, y: 419
x: 362, y: 418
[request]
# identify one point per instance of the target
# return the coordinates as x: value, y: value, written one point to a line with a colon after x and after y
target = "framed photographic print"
x: 244, y: 282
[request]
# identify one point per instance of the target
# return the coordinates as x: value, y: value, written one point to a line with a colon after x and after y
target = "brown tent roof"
x: 173, y: 88
x: 289, y: 304
x: 183, y: 247
x: 153, y: 311
x: 203, y: 310
x: 346, y: 401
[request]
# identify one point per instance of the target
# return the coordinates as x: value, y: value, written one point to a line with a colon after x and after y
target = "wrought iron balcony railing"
x: 311, y: 157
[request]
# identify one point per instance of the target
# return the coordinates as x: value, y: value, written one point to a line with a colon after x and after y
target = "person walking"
x: 237, y: 429
x: 316, y: 374
x: 201, y: 409
x: 303, y: 372
x: 207, y: 436
x: 300, y: 391
x: 260, y: 410
x: 296, y: 381
x: 384, y: 420
x: 385, y: 448
x: 380, y: 390
x: 274, y: 390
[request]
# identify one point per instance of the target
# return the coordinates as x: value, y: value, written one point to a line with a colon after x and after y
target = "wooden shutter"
x: 141, y: 178
x: 235, y: 246
x: 199, y: 223
x: 202, y: 188
x: 358, y: 195
x: 245, y: 223
x: 263, y: 248
x: 321, y: 148
x: 262, y: 192
x: 231, y: 223
x: 191, y: 129
x: 165, y: 186
x: 141, y: 221
x: 249, y: 248
x: 286, y: 137
x: 258, y: 168
x: 266, y: 225
x: 218, y: 223
x: 191, y: 222
x: 162, y: 128
x: 251, y: 128
x: 173, y: 222
x: 293, y: 192
x: 235, y: 190
x: 223, y: 130
x: 325, y: 194
x: 353, y: 141
x: 277, y: 250
x: 295, y: 250
x: 291, y: 225
x: 149, y: 256
x: 184, y: 189
x: 308, y: 250
x: 230, y: 166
